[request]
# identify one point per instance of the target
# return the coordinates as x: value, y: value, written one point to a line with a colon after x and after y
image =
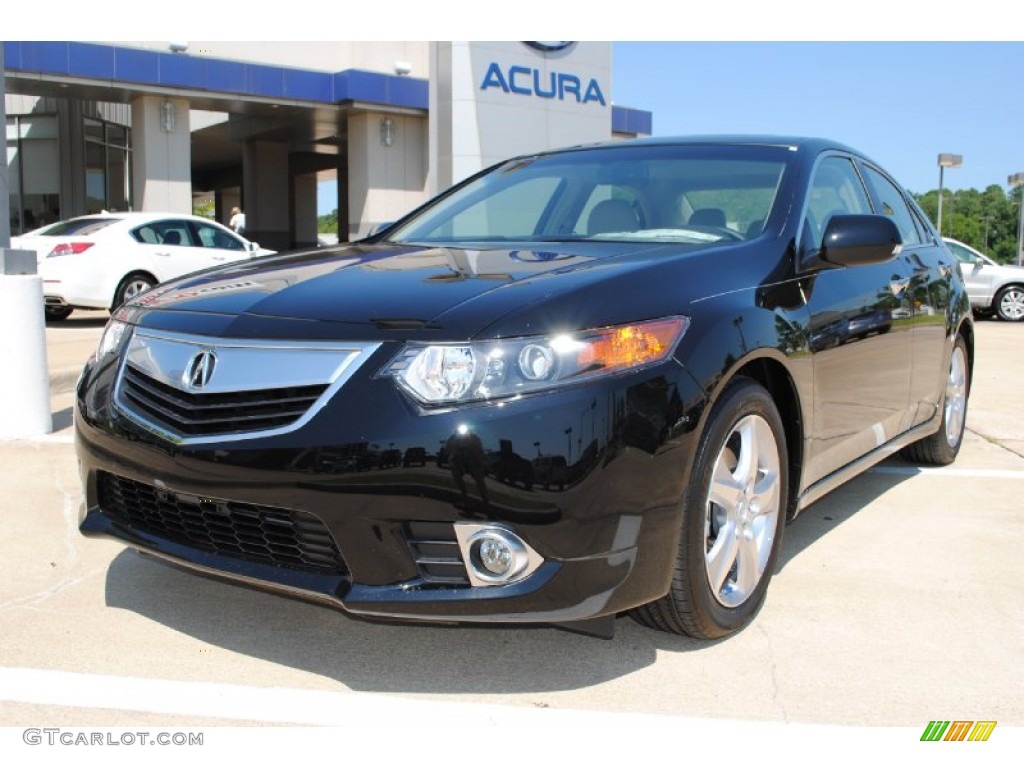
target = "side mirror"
x: 979, y: 262
x: 852, y: 240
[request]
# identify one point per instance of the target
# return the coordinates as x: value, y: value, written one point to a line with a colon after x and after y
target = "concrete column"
x: 304, y: 211
x: 161, y: 154
x: 385, y: 181
x: 25, y: 390
x: 265, y: 190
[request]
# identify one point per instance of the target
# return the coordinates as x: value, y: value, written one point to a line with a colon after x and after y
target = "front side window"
x: 210, y: 236
x: 893, y: 205
x: 167, y: 232
x: 836, y: 189
x: 963, y: 254
x: 681, y: 194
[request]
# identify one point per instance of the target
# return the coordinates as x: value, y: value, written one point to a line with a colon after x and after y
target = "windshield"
x: 685, y: 194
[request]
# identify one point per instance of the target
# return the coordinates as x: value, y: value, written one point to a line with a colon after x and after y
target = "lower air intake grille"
x: 436, y: 552
x: 281, y: 537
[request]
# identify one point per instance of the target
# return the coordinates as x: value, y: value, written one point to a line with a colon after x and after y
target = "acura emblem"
x: 199, y: 370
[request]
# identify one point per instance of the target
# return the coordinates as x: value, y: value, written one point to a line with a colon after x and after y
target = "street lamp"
x: 946, y: 161
x: 1016, y: 180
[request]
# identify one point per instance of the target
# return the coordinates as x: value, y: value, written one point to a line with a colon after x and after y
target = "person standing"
x: 237, y: 222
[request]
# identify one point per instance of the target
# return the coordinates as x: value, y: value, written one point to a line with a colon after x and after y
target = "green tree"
x: 985, y: 220
x: 328, y: 223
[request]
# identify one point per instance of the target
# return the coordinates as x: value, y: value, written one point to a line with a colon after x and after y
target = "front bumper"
x: 382, y: 478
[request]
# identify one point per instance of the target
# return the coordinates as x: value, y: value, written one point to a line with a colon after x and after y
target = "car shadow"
x: 379, y: 657
x: 835, y: 508
x: 424, y: 658
x: 62, y: 419
x: 93, y: 321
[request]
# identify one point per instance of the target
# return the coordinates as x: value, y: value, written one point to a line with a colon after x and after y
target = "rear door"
x: 931, y: 276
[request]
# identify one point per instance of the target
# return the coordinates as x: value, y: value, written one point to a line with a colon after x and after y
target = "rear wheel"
x: 131, y: 287
x: 1010, y: 303
x: 57, y: 313
x: 942, y: 447
x: 733, y: 515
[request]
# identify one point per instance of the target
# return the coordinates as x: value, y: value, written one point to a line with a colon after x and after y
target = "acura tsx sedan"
x: 578, y: 384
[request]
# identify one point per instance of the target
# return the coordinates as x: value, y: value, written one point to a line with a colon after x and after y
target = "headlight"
x: 459, y: 373
x: 112, y: 337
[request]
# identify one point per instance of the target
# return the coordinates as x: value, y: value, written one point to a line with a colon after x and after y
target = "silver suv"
x: 992, y: 287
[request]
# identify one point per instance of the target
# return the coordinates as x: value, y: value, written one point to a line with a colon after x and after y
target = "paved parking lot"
x: 897, y: 601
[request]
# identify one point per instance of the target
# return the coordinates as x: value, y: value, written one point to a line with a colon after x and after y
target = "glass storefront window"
x: 33, y: 172
x: 107, y: 166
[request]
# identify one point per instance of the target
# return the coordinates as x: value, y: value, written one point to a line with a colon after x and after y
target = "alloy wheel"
x: 956, y: 396
x: 1011, y: 304
x: 743, y: 509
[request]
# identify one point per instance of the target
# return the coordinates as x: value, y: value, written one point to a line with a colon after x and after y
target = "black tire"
x: 942, y: 447
x: 745, y: 418
x: 132, y: 285
x: 1009, y: 304
x: 57, y: 313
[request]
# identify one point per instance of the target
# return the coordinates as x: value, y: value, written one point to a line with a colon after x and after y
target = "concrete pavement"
x: 896, y: 602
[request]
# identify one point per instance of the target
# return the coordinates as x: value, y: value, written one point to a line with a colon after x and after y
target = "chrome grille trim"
x: 260, y: 388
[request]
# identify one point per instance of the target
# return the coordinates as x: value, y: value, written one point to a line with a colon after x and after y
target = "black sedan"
x: 580, y: 383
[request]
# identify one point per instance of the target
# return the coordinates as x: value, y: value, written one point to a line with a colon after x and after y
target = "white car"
x: 99, y: 261
x: 991, y: 286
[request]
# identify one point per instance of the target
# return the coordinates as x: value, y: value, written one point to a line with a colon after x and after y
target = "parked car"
x: 100, y: 261
x: 993, y: 288
x: 663, y: 347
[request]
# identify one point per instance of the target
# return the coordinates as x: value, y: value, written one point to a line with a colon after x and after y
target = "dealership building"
x: 166, y: 126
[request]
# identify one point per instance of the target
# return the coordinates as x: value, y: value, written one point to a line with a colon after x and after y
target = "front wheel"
x: 1010, y: 303
x: 733, y: 516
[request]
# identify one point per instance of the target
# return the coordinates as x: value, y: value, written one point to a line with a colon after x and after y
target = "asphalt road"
x: 896, y: 602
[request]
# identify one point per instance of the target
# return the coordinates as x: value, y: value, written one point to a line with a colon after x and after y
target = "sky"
x: 899, y: 103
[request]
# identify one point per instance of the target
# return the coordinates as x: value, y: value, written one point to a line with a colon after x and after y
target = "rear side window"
x: 79, y: 227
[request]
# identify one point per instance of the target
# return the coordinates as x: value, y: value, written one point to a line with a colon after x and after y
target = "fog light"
x: 494, y: 555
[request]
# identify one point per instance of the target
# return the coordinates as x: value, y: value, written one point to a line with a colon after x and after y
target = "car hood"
x: 381, y: 291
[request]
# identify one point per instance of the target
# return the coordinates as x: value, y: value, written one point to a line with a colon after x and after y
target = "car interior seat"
x: 708, y: 217
x: 612, y: 216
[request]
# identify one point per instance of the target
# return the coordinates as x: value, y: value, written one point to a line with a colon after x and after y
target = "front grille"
x: 436, y: 552
x: 216, y: 413
x: 271, y: 535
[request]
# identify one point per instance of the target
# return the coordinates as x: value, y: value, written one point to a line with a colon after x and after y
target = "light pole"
x: 946, y: 161
x: 1016, y: 180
